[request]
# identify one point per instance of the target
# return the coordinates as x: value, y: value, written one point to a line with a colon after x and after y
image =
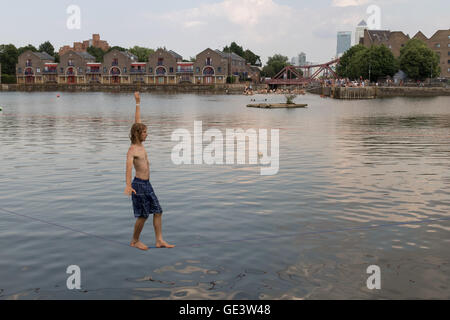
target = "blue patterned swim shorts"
x: 145, y: 202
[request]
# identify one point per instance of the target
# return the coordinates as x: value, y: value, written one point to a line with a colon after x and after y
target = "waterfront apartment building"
x: 439, y: 42
x: 395, y: 40
x: 237, y: 66
x: 210, y: 67
x: 74, y: 68
x: 116, y: 67
x: 163, y: 66
x: 344, y: 42
x: 36, y: 67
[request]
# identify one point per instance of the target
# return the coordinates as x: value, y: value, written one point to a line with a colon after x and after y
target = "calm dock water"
x: 356, y: 179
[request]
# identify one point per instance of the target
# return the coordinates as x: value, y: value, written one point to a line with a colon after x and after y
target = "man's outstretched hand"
x: 138, y: 97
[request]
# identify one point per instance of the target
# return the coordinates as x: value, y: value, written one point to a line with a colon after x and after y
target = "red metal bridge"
x: 290, y: 75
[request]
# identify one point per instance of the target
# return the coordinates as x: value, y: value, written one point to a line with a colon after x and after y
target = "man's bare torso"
x: 141, y: 162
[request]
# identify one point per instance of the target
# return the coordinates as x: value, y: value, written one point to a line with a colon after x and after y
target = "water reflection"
x: 343, y: 164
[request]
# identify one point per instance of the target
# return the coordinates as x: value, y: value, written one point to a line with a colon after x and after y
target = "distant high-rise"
x: 344, y: 42
x: 299, y: 60
x: 359, y: 33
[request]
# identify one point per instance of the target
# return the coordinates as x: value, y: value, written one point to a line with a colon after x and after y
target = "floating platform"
x: 276, y: 105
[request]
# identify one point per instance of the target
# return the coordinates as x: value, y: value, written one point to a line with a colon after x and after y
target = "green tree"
x: 346, y: 67
x: 47, y: 47
x: 97, y: 53
x: 116, y: 48
x: 8, y: 58
x: 251, y: 58
x: 234, y: 47
x: 141, y: 52
x: 374, y: 63
x: 248, y: 55
x: 274, y: 65
x: 418, y: 61
x: 26, y: 48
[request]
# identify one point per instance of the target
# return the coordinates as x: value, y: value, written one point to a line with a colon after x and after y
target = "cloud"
x: 349, y: 3
x: 264, y: 26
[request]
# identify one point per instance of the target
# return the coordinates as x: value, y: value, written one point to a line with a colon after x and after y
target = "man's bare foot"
x: 139, y: 245
x: 163, y: 244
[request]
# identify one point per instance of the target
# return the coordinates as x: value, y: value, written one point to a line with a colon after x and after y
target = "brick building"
x: 396, y: 40
x: 73, y: 67
x: 162, y: 66
x: 82, y: 46
x: 439, y: 42
x: 210, y: 67
x: 117, y: 67
x: 36, y: 67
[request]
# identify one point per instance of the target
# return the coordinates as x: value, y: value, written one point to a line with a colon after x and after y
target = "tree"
x: 274, y: 65
x: 252, y: 58
x: 141, y: 52
x: 374, y: 63
x: 418, y: 61
x: 8, y: 58
x: 26, y: 48
x: 116, y: 48
x: 248, y: 55
x: 98, y: 53
x: 47, y: 47
x: 346, y: 67
x: 234, y: 47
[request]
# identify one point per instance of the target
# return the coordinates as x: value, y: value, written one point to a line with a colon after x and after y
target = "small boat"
x: 276, y: 105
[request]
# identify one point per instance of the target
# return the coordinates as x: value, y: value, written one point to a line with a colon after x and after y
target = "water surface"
x: 302, y: 234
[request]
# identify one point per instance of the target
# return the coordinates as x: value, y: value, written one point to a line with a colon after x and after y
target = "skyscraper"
x: 299, y: 60
x: 359, y: 33
x: 344, y: 42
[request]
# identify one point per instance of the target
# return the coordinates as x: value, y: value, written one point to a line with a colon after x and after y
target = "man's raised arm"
x: 138, y: 107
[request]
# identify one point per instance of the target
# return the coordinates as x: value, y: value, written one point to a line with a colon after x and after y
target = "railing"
x: 114, y: 64
x: 93, y: 71
x: 27, y: 73
x: 50, y: 71
x: 185, y: 70
x: 137, y: 71
x: 115, y: 73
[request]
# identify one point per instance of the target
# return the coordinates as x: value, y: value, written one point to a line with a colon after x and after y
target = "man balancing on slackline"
x: 145, y: 202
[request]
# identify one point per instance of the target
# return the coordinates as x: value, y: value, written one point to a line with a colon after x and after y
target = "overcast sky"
x: 188, y: 27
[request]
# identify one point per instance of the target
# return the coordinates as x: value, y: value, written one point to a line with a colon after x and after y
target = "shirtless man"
x: 145, y: 202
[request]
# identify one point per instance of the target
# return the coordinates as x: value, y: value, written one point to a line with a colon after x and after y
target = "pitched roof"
x: 420, y: 35
x: 85, y: 55
x: 126, y: 54
x: 226, y: 55
x: 379, y: 35
x: 44, y: 56
x: 175, y: 55
x: 362, y: 24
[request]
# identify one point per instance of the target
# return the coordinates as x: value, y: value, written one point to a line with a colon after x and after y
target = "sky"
x: 266, y: 27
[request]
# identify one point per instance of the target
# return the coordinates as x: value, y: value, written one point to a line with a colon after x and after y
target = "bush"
x: 231, y: 79
x: 290, y: 98
x: 8, y: 79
